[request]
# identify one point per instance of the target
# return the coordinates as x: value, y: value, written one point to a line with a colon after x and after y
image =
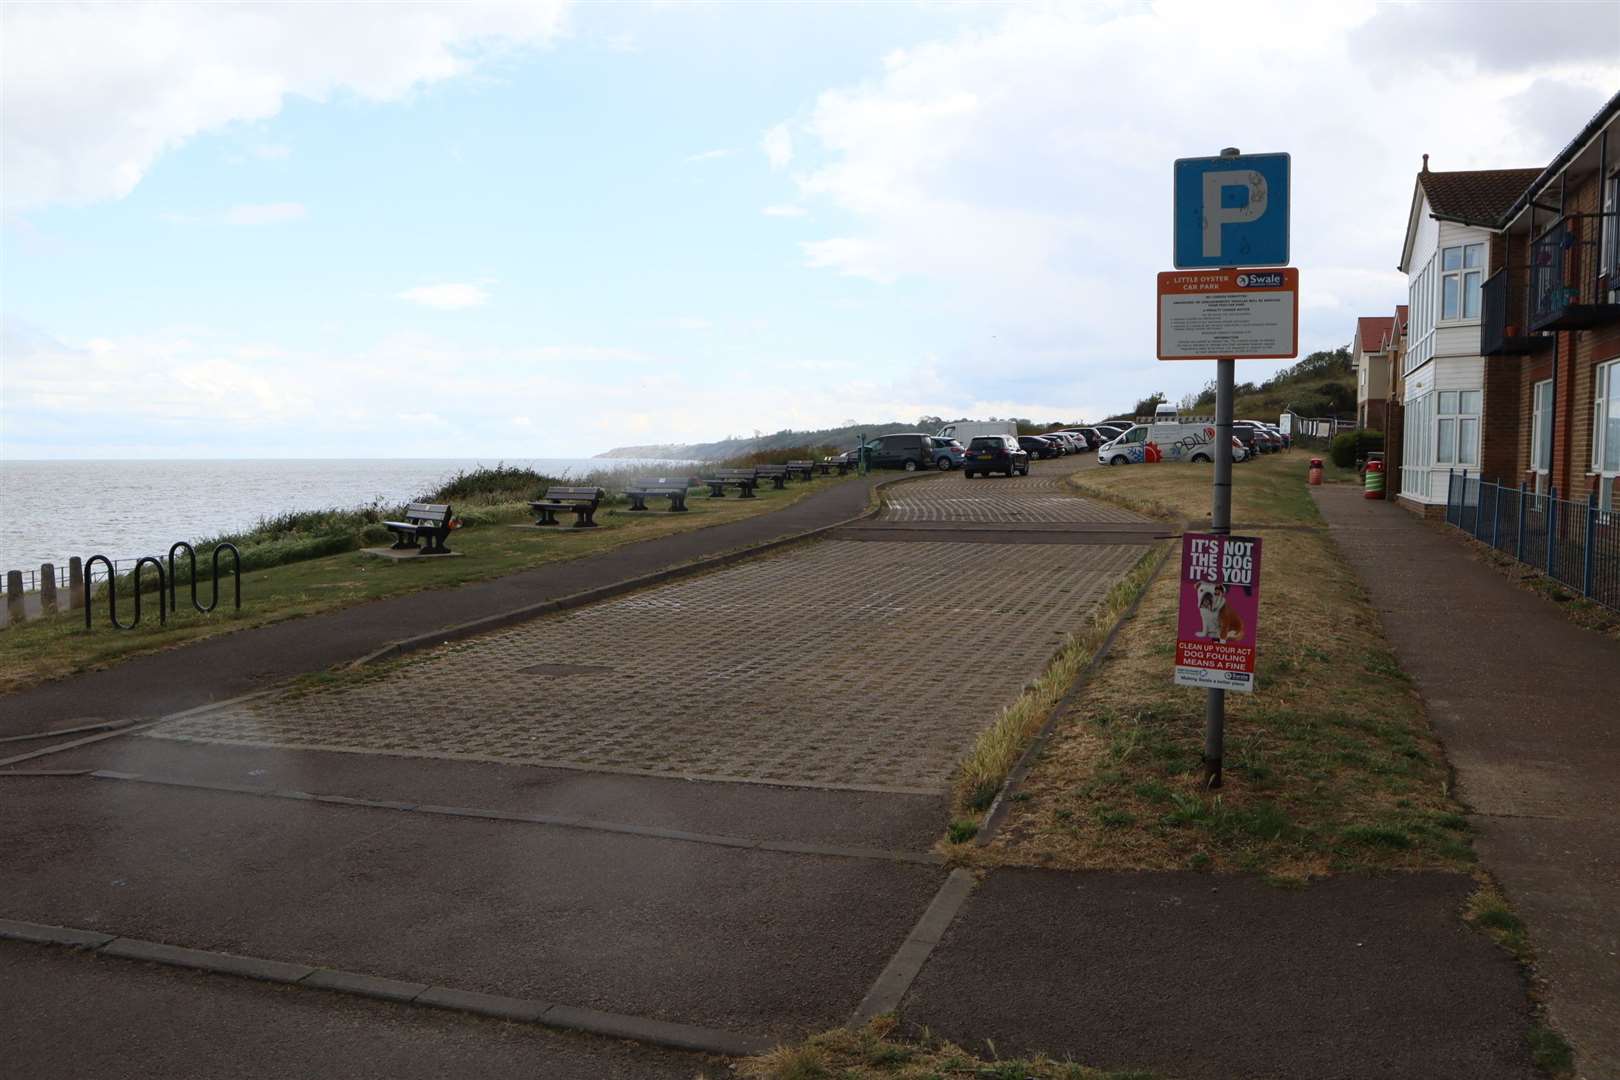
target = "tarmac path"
x: 1527, y: 704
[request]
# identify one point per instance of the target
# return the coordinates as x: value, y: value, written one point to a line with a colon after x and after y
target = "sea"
x: 51, y: 510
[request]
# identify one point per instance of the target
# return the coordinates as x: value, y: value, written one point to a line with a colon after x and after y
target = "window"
x: 1541, y: 432
x: 1606, y: 434
x: 1462, y: 268
x: 1456, y: 427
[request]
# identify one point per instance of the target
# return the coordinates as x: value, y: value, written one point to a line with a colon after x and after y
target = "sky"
x: 548, y: 229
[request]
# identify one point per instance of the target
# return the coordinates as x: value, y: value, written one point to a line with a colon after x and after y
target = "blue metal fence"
x: 1573, y: 542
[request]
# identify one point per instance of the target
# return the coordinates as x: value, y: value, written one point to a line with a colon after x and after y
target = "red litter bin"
x: 1316, y: 470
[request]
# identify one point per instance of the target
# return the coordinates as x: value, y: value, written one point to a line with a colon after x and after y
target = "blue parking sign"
x: 1231, y: 211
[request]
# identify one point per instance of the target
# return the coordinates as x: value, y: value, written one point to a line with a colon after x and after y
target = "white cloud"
x: 93, y: 94
x: 264, y: 213
x: 192, y: 391
x: 447, y: 296
x: 692, y: 322
x: 710, y: 155
x: 778, y: 146
x: 1022, y: 171
x: 784, y: 210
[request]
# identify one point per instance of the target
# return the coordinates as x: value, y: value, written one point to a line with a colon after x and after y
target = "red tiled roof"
x: 1371, y: 331
x: 1478, y: 197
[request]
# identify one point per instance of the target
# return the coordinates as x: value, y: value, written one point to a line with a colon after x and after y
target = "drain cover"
x: 559, y: 670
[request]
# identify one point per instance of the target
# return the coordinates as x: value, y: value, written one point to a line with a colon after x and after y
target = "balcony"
x: 1497, y: 335
x: 1568, y: 289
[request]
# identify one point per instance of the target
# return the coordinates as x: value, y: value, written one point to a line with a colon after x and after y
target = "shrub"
x: 490, y: 484
x: 1352, y: 446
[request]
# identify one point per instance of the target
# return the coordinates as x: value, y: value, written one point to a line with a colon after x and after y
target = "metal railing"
x: 33, y: 578
x: 1567, y: 287
x: 1501, y: 327
x: 1573, y: 542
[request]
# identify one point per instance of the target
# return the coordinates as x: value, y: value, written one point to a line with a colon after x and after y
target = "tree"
x: 1146, y: 406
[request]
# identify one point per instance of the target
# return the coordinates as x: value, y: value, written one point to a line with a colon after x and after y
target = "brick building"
x: 1551, y: 324
x: 1369, y: 350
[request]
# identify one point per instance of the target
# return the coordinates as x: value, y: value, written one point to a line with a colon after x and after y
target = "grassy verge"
x: 1330, y: 766
x: 52, y: 648
x: 869, y: 1054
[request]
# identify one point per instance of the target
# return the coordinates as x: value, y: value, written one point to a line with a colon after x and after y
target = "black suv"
x: 1040, y: 447
x: 995, y: 453
x: 909, y: 451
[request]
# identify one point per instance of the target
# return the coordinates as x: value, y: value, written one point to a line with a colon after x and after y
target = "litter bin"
x: 1315, y: 475
x: 1374, y: 480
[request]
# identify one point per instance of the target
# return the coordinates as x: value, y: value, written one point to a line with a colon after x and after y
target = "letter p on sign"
x: 1222, y: 188
x: 1231, y: 211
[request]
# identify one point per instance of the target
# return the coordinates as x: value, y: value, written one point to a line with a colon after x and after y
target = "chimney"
x: 1425, y: 162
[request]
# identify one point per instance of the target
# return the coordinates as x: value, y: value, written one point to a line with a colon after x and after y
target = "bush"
x: 491, y: 484
x: 1352, y: 446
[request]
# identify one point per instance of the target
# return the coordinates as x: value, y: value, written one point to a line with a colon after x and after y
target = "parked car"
x: 1239, y: 451
x: 910, y: 451
x: 1040, y: 447
x: 1110, y: 432
x: 1074, y: 442
x: 1248, y: 433
x: 948, y: 454
x: 1094, y: 438
x: 995, y: 453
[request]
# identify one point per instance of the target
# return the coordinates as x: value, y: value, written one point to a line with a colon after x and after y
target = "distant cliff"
x: 841, y: 438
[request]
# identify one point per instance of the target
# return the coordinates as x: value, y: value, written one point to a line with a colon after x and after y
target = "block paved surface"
x: 1041, y: 496
x: 841, y: 664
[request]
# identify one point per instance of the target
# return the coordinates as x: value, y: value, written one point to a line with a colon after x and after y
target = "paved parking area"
x: 1000, y: 500
x: 842, y: 664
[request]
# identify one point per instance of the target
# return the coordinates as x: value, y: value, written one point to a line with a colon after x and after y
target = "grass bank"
x: 53, y: 648
x: 1330, y: 766
x: 869, y: 1054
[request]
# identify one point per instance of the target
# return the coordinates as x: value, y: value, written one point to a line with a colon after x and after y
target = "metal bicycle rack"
x: 135, y: 582
x: 168, y: 584
x: 191, y: 555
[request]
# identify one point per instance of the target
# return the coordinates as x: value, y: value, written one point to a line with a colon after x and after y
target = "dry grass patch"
x: 1330, y: 765
x: 871, y: 1054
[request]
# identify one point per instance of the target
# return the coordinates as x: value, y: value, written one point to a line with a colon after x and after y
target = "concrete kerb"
x: 333, y: 980
x: 908, y: 960
x: 587, y: 597
x: 998, y: 807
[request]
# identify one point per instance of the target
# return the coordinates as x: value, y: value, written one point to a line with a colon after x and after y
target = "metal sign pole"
x: 1220, y: 521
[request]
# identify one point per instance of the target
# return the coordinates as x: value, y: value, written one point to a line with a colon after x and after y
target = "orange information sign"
x: 1222, y: 314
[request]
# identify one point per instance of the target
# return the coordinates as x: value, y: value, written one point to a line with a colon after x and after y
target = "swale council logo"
x: 1259, y: 281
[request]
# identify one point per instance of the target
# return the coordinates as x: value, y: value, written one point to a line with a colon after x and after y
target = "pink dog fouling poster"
x: 1220, y: 611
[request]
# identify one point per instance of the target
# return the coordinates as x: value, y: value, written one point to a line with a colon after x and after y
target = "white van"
x: 1165, y: 413
x: 1147, y: 443
x: 966, y: 431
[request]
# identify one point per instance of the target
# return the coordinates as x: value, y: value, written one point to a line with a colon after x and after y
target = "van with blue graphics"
x: 1169, y: 441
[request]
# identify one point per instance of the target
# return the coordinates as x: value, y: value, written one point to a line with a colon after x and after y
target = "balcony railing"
x: 1569, y: 289
x: 1501, y: 327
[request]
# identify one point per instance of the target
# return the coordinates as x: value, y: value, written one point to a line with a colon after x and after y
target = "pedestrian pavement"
x: 757, y: 902
x: 1527, y: 704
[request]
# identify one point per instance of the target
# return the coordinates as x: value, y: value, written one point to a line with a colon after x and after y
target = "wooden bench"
x: 583, y: 501
x: 776, y: 474
x: 641, y: 490
x: 801, y: 470
x: 827, y: 465
x: 429, y: 520
x: 742, y: 479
